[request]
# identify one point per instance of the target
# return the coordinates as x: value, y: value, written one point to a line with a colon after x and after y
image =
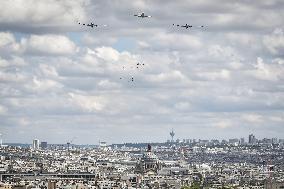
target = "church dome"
x: 148, y: 162
x: 149, y: 157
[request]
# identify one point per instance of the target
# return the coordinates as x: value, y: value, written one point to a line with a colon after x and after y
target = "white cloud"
x: 252, y: 118
x: 3, y: 110
x: 48, y: 45
x: 174, y: 76
x: 223, y: 124
x: 222, y: 74
x: 107, y: 53
x: 8, y: 43
x: 37, y: 85
x: 275, y: 42
x: 106, y: 84
x: 171, y: 41
x: 88, y: 103
x: 55, y: 72
x: 265, y: 71
x: 41, y: 14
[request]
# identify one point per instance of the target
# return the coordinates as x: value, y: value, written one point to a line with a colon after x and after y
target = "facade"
x: 43, y: 145
x: 35, y: 144
x: 252, y: 139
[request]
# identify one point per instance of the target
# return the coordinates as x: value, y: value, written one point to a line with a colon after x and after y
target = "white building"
x: 35, y: 144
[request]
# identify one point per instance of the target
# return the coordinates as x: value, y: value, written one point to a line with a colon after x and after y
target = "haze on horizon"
x: 60, y: 80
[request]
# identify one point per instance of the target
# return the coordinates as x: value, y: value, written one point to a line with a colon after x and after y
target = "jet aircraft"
x: 92, y: 25
x: 142, y: 15
x: 187, y: 26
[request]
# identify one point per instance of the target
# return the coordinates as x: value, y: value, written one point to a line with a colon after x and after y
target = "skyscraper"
x: 0, y: 139
x: 35, y: 144
x: 43, y: 145
x: 242, y: 141
x: 252, y: 139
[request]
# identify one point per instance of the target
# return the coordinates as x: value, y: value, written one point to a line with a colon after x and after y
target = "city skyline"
x: 134, y: 79
x: 250, y: 139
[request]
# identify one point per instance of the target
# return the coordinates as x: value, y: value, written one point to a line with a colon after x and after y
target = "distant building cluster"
x: 38, y: 145
x: 252, y: 140
x: 174, y: 164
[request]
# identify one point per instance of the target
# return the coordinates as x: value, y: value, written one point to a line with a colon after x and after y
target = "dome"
x: 149, y: 156
x: 149, y: 162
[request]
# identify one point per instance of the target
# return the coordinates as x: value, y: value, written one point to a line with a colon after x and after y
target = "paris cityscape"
x: 144, y: 94
x: 187, y: 163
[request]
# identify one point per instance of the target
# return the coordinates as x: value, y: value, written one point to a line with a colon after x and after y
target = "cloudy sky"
x: 61, y: 80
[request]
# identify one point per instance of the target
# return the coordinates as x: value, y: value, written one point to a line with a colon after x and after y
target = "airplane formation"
x: 143, y: 15
x: 136, y: 66
x: 139, y: 15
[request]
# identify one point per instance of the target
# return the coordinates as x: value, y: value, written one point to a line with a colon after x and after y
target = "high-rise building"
x: 43, y: 145
x: 242, y: 141
x: 35, y: 144
x: 1, y: 140
x: 252, y: 139
x: 234, y: 141
x: 187, y: 141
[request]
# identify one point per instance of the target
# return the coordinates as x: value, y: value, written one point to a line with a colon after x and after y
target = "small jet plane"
x: 187, y: 26
x: 92, y: 25
x: 142, y: 15
x: 184, y: 26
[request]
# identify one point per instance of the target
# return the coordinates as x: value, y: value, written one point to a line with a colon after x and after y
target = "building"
x: 274, y: 141
x: 234, y: 141
x: 252, y: 139
x: 242, y: 141
x: 269, y: 184
x: 35, y: 144
x: 43, y: 145
x: 149, y: 162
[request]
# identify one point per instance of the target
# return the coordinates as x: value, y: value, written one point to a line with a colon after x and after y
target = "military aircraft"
x: 184, y: 26
x: 142, y: 15
x: 187, y: 26
x: 92, y: 25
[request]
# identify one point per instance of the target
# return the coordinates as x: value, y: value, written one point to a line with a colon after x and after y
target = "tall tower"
x: 1, y: 140
x: 252, y: 139
x: 172, y: 133
x: 35, y: 144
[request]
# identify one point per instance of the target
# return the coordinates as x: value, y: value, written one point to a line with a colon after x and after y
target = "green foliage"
x: 195, y: 185
x: 185, y: 187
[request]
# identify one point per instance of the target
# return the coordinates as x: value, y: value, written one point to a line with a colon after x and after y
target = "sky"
x: 60, y: 80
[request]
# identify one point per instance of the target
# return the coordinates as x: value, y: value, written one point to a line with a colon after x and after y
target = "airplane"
x: 142, y: 15
x: 187, y: 26
x: 184, y: 26
x: 90, y: 25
